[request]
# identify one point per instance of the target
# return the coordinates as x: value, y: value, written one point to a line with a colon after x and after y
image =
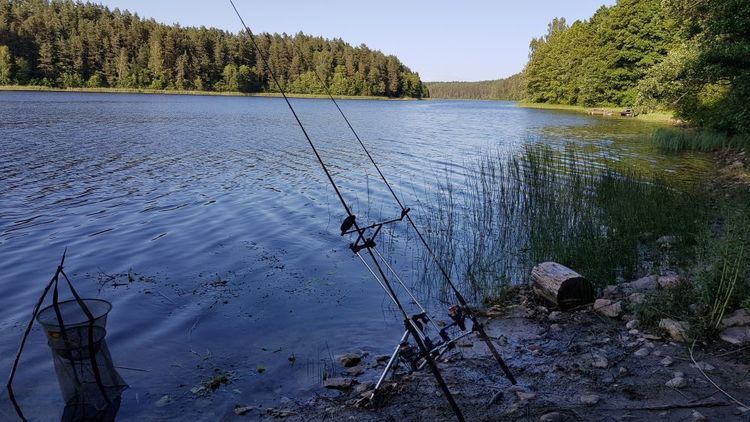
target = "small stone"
x: 623, y: 370
x: 242, y: 410
x: 518, y: 311
x: 651, y: 337
x: 350, y: 359
x: 356, y: 371
x: 678, y: 374
x: 613, y: 292
x: 552, y: 417
x: 364, y: 387
x: 669, y: 281
x: 338, y: 383
x: 589, y: 399
x: 608, y: 308
x: 555, y: 327
x: 646, y: 283
x: 632, y: 324
x: 524, y: 396
x: 704, y: 366
x: 676, y: 329
x: 667, y: 361
x: 163, y: 401
x: 382, y: 358
x: 599, y: 361
x: 697, y: 416
x: 633, y: 332
x: 656, y: 353
x: 637, y: 298
x: 739, y: 336
x: 642, y: 352
x: 676, y: 382
x: 738, y: 318
x: 555, y: 316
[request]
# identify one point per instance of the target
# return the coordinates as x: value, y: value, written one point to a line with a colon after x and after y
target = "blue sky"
x: 442, y: 40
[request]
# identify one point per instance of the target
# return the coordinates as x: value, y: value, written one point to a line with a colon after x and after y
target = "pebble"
x: 642, y: 352
x: 704, y: 366
x: 697, y: 416
x: 632, y: 324
x: 667, y: 361
x: 555, y: 327
x: 599, y: 361
x: 163, y: 401
x: 633, y: 332
x: 623, y: 370
x: 677, y: 382
x: 350, y: 359
x: 356, y: 370
x: 608, y: 308
x: 555, y: 316
x: 552, y: 417
x: 525, y: 396
x: 589, y: 399
x: 338, y: 383
x: 676, y: 329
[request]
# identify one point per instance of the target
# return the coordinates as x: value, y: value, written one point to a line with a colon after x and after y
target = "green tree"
x: 5, y: 65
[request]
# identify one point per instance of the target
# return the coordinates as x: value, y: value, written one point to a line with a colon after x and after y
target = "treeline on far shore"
x: 510, y: 88
x: 70, y: 44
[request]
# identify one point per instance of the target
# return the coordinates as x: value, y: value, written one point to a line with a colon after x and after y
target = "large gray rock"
x: 738, y: 336
x: 738, y: 318
x: 676, y: 329
x: 608, y: 308
x: 650, y: 282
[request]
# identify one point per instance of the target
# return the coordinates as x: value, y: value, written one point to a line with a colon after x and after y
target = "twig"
x: 696, y: 366
x: 732, y: 352
x: 132, y: 369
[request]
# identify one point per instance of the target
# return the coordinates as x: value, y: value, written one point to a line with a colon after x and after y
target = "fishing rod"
x: 428, y: 350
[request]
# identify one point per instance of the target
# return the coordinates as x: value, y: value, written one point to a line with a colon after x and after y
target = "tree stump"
x: 561, y: 286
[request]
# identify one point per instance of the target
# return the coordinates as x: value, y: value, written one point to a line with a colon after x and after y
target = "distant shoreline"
x: 37, y: 88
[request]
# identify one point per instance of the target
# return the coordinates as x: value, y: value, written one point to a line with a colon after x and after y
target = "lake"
x: 209, y: 225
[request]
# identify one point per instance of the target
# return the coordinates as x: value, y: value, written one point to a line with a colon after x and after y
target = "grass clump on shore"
x: 512, y: 212
x: 678, y: 140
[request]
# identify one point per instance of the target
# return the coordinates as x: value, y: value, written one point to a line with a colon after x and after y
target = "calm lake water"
x: 208, y: 224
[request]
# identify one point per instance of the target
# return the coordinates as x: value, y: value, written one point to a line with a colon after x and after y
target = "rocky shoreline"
x: 579, y: 365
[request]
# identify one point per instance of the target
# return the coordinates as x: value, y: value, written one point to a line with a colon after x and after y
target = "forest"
x: 690, y: 57
x: 510, y: 88
x: 67, y: 44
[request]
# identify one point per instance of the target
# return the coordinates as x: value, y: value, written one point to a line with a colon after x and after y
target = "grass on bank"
x: 185, y: 92
x: 568, y: 206
x: 679, y: 140
x: 651, y: 116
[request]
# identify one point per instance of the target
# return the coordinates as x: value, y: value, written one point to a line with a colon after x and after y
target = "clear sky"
x: 442, y: 40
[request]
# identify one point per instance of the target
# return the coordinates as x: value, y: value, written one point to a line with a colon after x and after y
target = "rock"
x: 589, y: 399
x: 242, y: 410
x: 552, y: 417
x: 555, y: 316
x: 494, y: 311
x: 740, y: 317
x: 642, y: 352
x: 356, y: 371
x: 364, y: 387
x: 555, y: 327
x: 338, y: 383
x: 678, y: 374
x: 703, y: 366
x: 613, y: 292
x: 739, y: 336
x: 608, y: 308
x: 524, y: 396
x: 633, y: 332
x: 623, y: 370
x: 676, y: 329
x: 382, y: 358
x: 599, y: 361
x: 637, y: 298
x: 667, y: 361
x: 632, y: 324
x: 667, y: 241
x: 697, y: 416
x: 677, y: 382
x: 163, y: 401
x: 649, y: 282
x: 669, y: 281
x: 350, y: 359
x: 518, y: 311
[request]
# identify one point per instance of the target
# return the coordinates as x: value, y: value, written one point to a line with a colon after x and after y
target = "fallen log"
x: 561, y: 286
